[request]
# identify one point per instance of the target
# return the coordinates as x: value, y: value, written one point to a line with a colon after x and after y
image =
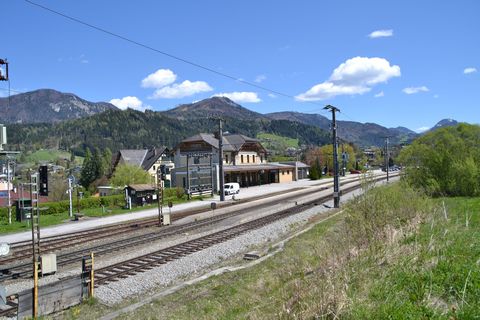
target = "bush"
x: 85, y: 203
x: 445, y: 161
x: 180, y: 193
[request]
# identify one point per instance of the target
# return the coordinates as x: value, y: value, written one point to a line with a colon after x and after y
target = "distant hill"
x: 213, y: 107
x: 361, y: 134
x: 47, y: 105
x: 444, y: 123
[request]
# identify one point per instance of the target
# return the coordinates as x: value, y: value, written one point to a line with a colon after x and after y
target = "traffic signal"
x: 43, y: 171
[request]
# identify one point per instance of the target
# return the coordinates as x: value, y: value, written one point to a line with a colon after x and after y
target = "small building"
x: 141, y: 194
x: 300, y: 171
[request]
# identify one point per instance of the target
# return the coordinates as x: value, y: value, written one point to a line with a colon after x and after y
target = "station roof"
x: 260, y: 167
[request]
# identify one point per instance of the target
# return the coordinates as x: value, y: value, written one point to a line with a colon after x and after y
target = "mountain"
x: 361, y: 134
x: 131, y: 129
x: 46, y: 105
x: 444, y: 123
x: 213, y: 107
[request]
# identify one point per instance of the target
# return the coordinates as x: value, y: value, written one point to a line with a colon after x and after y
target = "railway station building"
x: 244, y: 161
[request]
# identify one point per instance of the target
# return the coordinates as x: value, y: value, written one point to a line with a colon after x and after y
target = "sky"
x: 395, y: 63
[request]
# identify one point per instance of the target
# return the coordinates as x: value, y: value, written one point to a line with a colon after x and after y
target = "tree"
x: 107, y: 161
x: 89, y: 170
x: 99, y: 164
x: 313, y: 157
x: 445, y: 161
x: 326, y: 152
x: 126, y: 174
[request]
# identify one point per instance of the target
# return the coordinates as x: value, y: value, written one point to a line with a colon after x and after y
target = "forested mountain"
x: 46, y: 105
x: 214, y: 107
x: 361, y: 134
x: 117, y: 129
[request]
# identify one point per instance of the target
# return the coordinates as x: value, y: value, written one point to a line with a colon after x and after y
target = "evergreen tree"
x: 98, y: 164
x: 107, y: 161
x: 89, y: 170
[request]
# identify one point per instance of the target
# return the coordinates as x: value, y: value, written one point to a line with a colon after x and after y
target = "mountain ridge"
x: 48, y: 106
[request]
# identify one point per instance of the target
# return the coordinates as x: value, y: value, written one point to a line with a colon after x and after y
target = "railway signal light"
x: 4, y: 77
x: 43, y: 170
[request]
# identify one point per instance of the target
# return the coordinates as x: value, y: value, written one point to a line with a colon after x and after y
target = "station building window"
x: 248, y: 158
x: 241, y: 158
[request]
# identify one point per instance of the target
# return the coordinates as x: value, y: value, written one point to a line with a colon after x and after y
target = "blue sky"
x: 395, y: 63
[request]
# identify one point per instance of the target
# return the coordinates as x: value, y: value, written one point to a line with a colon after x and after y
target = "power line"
x: 137, y: 43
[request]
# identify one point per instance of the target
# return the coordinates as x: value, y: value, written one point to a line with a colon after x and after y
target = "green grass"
x: 391, y: 254
x: 47, y: 155
x: 273, y: 141
x: 437, y: 275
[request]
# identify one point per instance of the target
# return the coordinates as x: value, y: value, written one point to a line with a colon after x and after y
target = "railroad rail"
x: 149, y: 261
x: 20, y: 250
x: 23, y: 270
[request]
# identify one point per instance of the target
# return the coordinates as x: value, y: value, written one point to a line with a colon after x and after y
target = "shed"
x: 141, y: 193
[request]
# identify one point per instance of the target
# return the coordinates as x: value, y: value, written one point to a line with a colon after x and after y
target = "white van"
x: 231, y: 188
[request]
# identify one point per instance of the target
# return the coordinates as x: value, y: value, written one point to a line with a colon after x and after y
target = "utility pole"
x: 70, y: 208
x: 220, y: 160
x: 8, y: 192
x: 387, y: 158
x: 336, y: 185
x: 160, y: 196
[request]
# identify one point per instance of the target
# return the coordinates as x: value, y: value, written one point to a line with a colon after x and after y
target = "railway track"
x: 23, y: 270
x: 149, y: 261
x: 22, y: 250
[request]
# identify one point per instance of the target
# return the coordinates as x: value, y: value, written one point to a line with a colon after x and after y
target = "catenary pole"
x: 387, y: 158
x: 336, y: 185
x: 220, y: 160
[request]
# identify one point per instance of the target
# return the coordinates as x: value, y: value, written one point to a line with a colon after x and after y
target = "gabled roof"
x: 152, y: 156
x: 143, y: 158
x: 141, y: 187
x: 133, y: 157
x: 231, y: 142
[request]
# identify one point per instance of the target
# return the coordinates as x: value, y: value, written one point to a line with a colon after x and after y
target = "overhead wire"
x: 148, y: 47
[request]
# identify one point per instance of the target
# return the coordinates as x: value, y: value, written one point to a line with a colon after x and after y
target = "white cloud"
x: 381, y: 33
x: 413, y: 90
x: 354, y: 76
x: 240, y: 97
x: 260, y: 78
x: 130, y: 102
x: 271, y: 95
x: 159, y: 79
x: 380, y: 94
x: 180, y: 90
x: 422, y: 129
x: 469, y: 70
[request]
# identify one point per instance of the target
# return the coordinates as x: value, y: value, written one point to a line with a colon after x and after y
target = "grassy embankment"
x: 391, y: 254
